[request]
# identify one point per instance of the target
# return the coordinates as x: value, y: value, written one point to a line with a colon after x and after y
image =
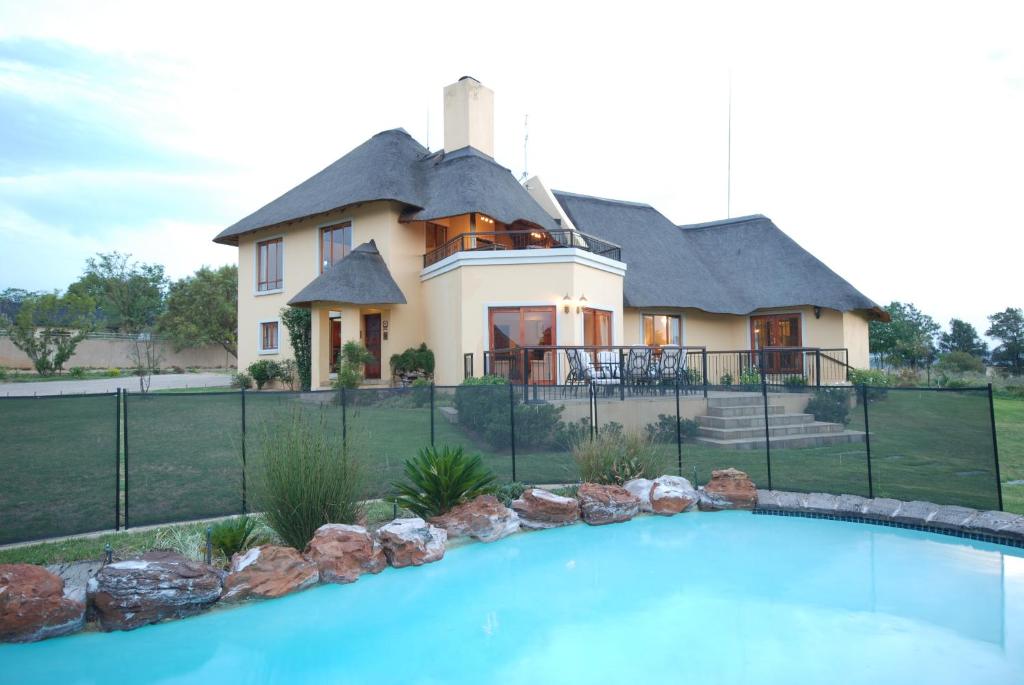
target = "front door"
x: 371, y: 331
x: 512, y: 328
x: 777, y: 331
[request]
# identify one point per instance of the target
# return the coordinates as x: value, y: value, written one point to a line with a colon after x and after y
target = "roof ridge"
x: 602, y: 199
x: 725, y: 222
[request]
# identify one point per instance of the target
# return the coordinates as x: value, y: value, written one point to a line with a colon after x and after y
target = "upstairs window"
x: 335, y: 244
x: 269, y: 265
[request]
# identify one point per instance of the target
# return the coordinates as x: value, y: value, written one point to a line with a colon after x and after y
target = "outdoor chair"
x: 581, y: 369
x: 607, y: 374
x: 671, y: 366
x: 637, y: 373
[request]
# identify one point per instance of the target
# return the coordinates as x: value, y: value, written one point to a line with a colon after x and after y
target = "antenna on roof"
x: 728, y: 161
x: 526, y: 140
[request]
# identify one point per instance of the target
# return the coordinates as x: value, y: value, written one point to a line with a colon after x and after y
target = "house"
x: 395, y: 245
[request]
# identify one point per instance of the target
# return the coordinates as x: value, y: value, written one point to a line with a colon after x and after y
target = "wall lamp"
x: 567, y: 303
x: 817, y: 312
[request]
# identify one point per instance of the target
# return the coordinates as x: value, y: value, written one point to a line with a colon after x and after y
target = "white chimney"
x: 469, y: 116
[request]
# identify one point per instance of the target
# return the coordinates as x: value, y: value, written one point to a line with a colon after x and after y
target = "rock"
x: 412, y: 542
x: 953, y: 517
x: 342, y: 553
x: 641, y: 489
x: 162, y: 584
x: 711, y: 502
x: 33, y: 605
x: 1014, y: 530
x: 672, y: 495
x: 601, y: 504
x: 916, y: 513
x: 733, y: 486
x: 768, y: 499
x: 484, y: 518
x: 76, y: 576
x: 539, y: 509
x: 851, y: 505
x: 882, y: 507
x: 268, y: 571
x: 819, y: 502
x: 991, y: 522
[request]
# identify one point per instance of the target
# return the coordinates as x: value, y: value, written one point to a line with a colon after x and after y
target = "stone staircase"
x: 737, y: 422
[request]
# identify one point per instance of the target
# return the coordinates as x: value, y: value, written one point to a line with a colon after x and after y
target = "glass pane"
x: 674, y: 326
x: 504, y: 330
x: 538, y: 328
x: 325, y: 250
x: 648, y: 330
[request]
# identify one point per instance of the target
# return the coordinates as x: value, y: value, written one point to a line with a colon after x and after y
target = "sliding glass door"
x: 513, y: 328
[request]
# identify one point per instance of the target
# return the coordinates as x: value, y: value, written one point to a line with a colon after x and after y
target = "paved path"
x: 72, y: 387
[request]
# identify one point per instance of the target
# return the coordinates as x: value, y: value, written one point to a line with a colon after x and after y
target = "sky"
x: 886, y: 138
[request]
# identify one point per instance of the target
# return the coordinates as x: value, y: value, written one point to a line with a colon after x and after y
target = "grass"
x: 185, y: 456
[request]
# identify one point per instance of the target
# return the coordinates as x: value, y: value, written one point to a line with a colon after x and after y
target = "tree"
x: 1008, y: 328
x: 908, y: 339
x: 130, y: 295
x: 962, y: 337
x: 202, y: 309
x: 353, y: 357
x: 298, y: 321
x: 49, y: 327
x: 145, y: 357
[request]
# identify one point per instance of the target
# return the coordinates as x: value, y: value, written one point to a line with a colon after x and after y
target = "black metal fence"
x: 77, y: 464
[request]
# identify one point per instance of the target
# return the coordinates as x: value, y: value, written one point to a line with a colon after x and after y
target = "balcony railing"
x: 522, y: 240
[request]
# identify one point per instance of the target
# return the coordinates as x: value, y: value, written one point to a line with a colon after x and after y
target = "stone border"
x: 997, y: 527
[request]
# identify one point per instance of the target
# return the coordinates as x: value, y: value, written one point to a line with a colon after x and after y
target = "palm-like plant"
x: 439, y: 479
x: 235, y: 534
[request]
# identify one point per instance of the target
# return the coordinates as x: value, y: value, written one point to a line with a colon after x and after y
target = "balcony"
x: 534, y: 239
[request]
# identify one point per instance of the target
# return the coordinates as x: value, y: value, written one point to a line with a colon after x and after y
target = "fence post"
x: 704, y: 369
x: 679, y: 432
x: 867, y: 437
x: 117, y: 464
x: 995, y: 446
x: 344, y: 420
x: 817, y: 368
x: 512, y: 426
x: 431, y: 413
x: 767, y: 432
x: 244, y: 502
x: 622, y: 375
x: 124, y: 426
x: 592, y: 391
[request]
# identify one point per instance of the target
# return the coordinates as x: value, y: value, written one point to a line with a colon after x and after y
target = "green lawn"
x: 184, y: 453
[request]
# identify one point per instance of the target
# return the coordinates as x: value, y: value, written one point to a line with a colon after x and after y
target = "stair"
x: 737, y: 422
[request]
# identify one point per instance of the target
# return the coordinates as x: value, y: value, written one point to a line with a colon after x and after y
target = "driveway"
x: 130, y: 383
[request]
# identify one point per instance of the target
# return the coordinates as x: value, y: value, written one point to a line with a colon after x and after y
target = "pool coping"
x: 804, y: 508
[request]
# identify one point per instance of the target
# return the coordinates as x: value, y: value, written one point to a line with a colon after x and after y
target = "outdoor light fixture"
x: 817, y: 312
x: 580, y: 304
x: 566, y: 301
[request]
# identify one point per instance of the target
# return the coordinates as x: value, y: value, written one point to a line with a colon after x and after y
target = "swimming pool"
x: 698, y: 598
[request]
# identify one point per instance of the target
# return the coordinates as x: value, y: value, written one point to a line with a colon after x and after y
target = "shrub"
x: 960, y: 362
x: 306, y: 477
x: 485, y: 413
x: 794, y: 382
x: 263, y: 371
x: 413, y: 360
x: 665, y: 429
x: 351, y: 360
x: 726, y: 379
x: 439, y: 479
x: 508, y: 492
x: 241, y: 380
x: 235, y: 534
x: 831, y: 405
x: 4, y: 373
x: 616, y: 457
x: 77, y: 372
x: 299, y: 322
x: 751, y: 376
x: 876, y: 380
x: 177, y: 369
x: 113, y: 372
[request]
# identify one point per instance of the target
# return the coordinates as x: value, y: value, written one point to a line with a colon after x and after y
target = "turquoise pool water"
x: 699, y: 598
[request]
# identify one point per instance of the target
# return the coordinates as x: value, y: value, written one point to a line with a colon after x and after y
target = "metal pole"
x: 117, y: 464
x: 512, y: 426
x: 124, y: 426
x: 867, y: 437
x: 431, y: 413
x: 995, y: 446
x: 344, y: 420
x: 622, y: 375
x: 244, y: 502
x: 593, y: 411
x: 767, y: 433
x: 704, y: 369
x: 679, y: 432
x: 817, y: 368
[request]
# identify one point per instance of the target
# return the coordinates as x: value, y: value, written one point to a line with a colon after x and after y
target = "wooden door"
x: 335, y: 344
x: 514, y: 327
x: 777, y: 331
x: 371, y: 331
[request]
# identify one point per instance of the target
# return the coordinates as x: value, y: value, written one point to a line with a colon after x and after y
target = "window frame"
x: 670, y: 343
x: 332, y: 226
x: 260, y: 349
x: 279, y: 239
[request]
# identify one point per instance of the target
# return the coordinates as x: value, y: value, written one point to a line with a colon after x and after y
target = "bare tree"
x: 145, y: 357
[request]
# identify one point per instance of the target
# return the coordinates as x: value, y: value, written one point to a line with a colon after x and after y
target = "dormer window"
x: 335, y: 244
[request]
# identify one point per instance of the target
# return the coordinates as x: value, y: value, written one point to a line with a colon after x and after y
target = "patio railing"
x: 522, y: 240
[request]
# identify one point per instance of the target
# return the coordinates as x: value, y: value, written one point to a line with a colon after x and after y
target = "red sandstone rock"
x: 484, y: 518
x: 162, y: 584
x: 542, y: 509
x: 672, y: 495
x: 342, y: 553
x: 603, y: 504
x: 412, y: 542
x: 33, y: 606
x: 268, y: 571
x: 729, y: 489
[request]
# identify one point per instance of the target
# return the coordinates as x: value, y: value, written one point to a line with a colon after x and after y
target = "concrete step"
x: 811, y: 428
x: 745, y: 410
x: 787, y: 442
x: 737, y: 399
x: 754, y: 420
